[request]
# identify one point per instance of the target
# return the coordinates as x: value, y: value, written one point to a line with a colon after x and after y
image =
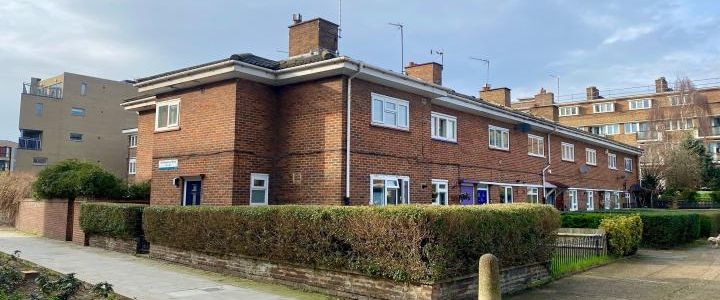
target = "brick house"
x: 317, y: 128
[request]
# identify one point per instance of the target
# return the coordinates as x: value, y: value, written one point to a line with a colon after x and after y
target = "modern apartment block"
x: 74, y: 116
x: 8, y: 151
x: 318, y: 128
x: 639, y: 116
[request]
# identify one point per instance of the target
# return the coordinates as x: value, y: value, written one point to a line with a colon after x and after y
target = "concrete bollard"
x: 489, y: 278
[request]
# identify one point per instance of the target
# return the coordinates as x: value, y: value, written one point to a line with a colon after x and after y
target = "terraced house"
x: 643, y: 116
x: 319, y: 128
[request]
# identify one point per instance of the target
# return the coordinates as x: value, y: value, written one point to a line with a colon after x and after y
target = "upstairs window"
x: 609, y: 129
x: 443, y: 127
x: 167, y: 114
x: 389, y: 190
x: 628, y: 164
x: 677, y: 100
x: 591, y: 157
x: 83, y: 89
x: 565, y: 111
x: 568, y: 152
x: 39, y: 161
x: 440, y: 192
x: 679, y: 124
x: 390, y: 112
x: 639, y: 104
x: 634, y: 127
x: 603, y: 107
x: 612, y: 161
x: 499, y: 138
x: 39, y: 109
x: 536, y: 145
x: 132, y: 141
x: 77, y: 111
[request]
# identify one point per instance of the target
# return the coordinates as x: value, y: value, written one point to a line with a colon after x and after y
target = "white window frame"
x: 536, y: 145
x: 77, y: 109
x: 132, y: 141
x: 387, y: 178
x: 637, y: 104
x: 385, y: 109
x: 607, y: 200
x: 169, y: 126
x: 618, y: 202
x: 616, y: 128
x: 261, y: 176
x: 450, y: 132
x: 590, y: 200
x: 628, y: 166
x: 565, y: 111
x: 572, y: 194
x: 633, y: 126
x: 605, y: 107
x: 565, y: 149
x: 83, y: 89
x: 132, y: 166
x: 612, y: 161
x: 674, y: 100
x: 533, y: 195
x: 504, y: 142
x: 507, y: 195
x: 436, y: 188
x: 591, y: 157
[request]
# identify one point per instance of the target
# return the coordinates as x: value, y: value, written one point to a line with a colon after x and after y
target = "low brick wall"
x: 128, y: 246
x: 348, y: 284
x: 46, y: 218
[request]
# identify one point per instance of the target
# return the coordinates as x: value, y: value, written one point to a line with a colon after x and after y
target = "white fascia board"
x: 129, y: 130
x: 140, y: 104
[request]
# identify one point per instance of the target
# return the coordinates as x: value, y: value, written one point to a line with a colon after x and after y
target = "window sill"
x: 499, y: 149
x: 132, y: 147
x: 592, y: 165
x: 389, y: 127
x: 167, y: 129
x: 444, y: 141
x: 536, y: 155
x: 566, y: 160
x: 614, y: 169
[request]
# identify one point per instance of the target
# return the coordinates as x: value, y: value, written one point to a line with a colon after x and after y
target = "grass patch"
x: 561, y: 267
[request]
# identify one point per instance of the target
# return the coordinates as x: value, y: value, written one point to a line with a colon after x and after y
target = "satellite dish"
x: 584, y: 169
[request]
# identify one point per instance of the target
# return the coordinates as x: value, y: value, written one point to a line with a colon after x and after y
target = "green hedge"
x: 112, y: 219
x: 403, y: 243
x: 661, y: 229
x: 624, y: 234
x: 709, y: 223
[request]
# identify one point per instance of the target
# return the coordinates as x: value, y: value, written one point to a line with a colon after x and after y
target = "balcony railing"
x: 29, y: 143
x: 52, y: 92
x: 648, y: 136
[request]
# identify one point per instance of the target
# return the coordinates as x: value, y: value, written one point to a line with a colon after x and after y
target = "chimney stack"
x: 661, y: 85
x: 312, y: 36
x: 500, y: 96
x: 430, y: 72
x: 592, y: 93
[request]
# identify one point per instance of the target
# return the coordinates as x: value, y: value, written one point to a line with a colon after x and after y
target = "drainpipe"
x: 547, y: 167
x: 346, y: 200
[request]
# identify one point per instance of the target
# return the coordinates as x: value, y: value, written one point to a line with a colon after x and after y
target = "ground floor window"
x: 606, y: 200
x: 389, y: 190
x: 132, y: 163
x: 628, y: 200
x: 572, y: 195
x: 616, y: 200
x: 590, y: 200
x: 506, y: 194
x: 259, y: 184
x: 532, y: 195
x: 440, y: 191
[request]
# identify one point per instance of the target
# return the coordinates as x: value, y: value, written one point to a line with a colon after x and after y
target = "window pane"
x: 173, y: 118
x: 402, y: 116
x: 377, y: 110
x: 505, y: 139
x: 38, y: 109
x: 390, y: 118
x: 442, y: 128
x: 162, y: 116
x: 378, y: 187
x: 492, y: 138
x: 257, y: 196
x: 392, y: 196
x: 259, y: 183
x: 451, y: 130
x: 442, y: 198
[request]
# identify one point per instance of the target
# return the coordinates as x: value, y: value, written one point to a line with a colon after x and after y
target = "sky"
x: 608, y: 44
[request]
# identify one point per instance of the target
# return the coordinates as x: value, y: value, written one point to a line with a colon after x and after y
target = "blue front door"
x: 482, y: 196
x: 193, y: 191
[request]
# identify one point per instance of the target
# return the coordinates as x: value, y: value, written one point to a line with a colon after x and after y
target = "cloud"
x: 628, y: 34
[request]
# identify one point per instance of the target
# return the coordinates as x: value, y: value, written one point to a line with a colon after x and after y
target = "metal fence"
x: 576, y: 244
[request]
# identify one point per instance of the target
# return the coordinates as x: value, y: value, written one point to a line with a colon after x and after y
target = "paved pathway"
x: 690, y: 273
x: 138, y: 277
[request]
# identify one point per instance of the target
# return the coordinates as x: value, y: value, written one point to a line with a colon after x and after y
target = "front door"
x: 466, y: 194
x: 193, y: 192
x: 482, y: 195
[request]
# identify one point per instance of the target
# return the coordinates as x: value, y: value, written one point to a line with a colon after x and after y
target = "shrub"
x: 138, y: 191
x: 112, y: 219
x: 689, y: 196
x: 403, y: 243
x: 13, y: 188
x: 709, y: 223
x: 73, y: 178
x: 624, y: 234
x: 715, y: 196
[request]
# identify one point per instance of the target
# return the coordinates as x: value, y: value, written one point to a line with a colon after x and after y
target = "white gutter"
x: 348, y: 134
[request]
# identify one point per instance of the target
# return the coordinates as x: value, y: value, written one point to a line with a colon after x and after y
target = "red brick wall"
x: 46, y: 218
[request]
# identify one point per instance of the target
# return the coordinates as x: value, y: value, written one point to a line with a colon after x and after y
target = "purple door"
x: 466, y: 194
